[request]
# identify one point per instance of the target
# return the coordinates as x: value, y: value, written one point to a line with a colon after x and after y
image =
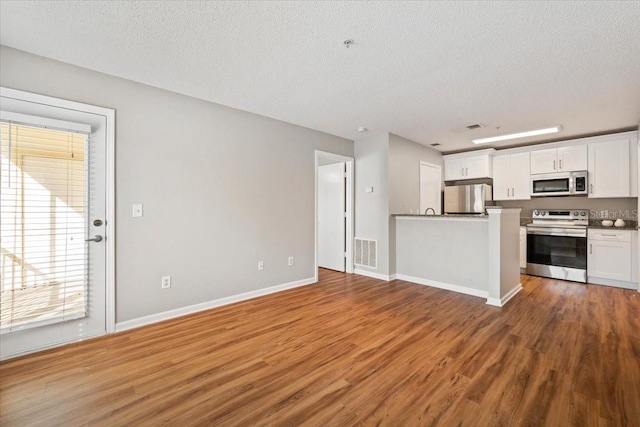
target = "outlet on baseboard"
x: 260, y: 265
x: 290, y: 261
x: 166, y: 282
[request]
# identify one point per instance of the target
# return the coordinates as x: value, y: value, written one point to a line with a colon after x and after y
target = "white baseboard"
x: 610, y: 282
x: 183, y: 311
x: 505, y: 299
x: 374, y: 275
x: 441, y: 285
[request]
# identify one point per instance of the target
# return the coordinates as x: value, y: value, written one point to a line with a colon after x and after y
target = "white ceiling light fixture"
x: 536, y: 132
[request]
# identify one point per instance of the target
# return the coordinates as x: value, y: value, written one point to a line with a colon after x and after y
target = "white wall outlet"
x: 166, y: 282
x: 368, y: 189
x: 261, y: 265
x: 137, y: 210
x: 290, y: 261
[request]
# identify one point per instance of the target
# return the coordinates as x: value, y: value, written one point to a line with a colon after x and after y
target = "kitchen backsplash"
x: 626, y: 208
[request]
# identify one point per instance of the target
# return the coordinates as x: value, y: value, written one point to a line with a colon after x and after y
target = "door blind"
x: 42, y: 226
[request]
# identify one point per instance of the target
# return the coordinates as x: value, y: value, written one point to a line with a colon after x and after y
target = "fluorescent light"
x: 517, y: 135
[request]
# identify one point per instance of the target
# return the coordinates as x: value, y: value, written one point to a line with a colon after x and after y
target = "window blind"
x: 43, y: 267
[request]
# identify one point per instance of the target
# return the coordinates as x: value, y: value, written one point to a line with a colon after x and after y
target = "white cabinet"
x: 609, y: 169
x: 563, y: 159
x: 609, y: 254
x: 523, y: 247
x: 468, y: 166
x: 511, y: 177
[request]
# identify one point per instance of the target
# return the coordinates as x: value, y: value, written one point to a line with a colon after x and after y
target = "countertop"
x: 630, y: 224
x: 444, y: 215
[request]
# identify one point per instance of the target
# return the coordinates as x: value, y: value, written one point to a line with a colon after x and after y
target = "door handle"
x: 590, y: 248
x: 554, y: 165
x: 560, y: 161
x: 591, y: 188
x: 96, y: 239
x: 466, y: 171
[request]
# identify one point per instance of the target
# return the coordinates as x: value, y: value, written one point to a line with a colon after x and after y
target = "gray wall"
x: 404, y: 172
x: 404, y: 182
x: 372, y: 209
x: 390, y: 164
x: 221, y: 188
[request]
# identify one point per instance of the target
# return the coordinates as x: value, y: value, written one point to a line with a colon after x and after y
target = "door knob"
x: 96, y: 239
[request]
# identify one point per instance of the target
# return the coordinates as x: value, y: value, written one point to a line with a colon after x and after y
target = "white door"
x: 331, y: 216
x: 430, y: 188
x: 53, y: 178
x: 520, y: 176
x: 544, y: 161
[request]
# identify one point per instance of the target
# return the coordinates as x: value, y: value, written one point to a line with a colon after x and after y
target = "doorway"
x: 57, y: 222
x: 334, y: 212
x: 430, y: 188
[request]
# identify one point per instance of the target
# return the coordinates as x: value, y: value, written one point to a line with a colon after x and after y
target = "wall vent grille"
x: 366, y: 253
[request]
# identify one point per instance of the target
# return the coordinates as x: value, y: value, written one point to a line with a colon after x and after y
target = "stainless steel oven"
x: 557, y: 244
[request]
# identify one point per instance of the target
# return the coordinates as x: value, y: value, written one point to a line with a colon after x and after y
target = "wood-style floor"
x: 352, y: 351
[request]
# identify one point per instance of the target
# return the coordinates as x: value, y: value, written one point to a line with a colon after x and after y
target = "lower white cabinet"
x: 523, y: 247
x: 609, y: 254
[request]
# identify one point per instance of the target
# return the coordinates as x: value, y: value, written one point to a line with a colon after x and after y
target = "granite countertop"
x: 443, y: 215
x: 630, y: 224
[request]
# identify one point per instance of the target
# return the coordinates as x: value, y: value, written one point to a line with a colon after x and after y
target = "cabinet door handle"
x: 466, y: 171
x: 513, y: 192
x: 591, y: 188
x: 462, y: 171
x: 554, y: 165
x: 590, y: 248
x: 560, y: 161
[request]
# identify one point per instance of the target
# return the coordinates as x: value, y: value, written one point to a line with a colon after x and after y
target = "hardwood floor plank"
x: 351, y: 350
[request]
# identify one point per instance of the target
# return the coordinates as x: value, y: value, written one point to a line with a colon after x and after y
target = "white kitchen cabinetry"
x: 563, y: 159
x: 468, y: 166
x: 610, y: 257
x: 511, y: 177
x: 609, y: 169
x: 523, y: 247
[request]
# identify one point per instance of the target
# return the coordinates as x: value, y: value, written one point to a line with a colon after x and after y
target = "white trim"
x: 611, y: 282
x: 349, y: 207
x: 109, y: 115
x: 441, y: 285
x: 505, y: 299
x: 49, y: 346
x: 183, y: 311
x: 374, y: 275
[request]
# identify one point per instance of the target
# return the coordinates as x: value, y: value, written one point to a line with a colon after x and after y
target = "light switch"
x: 137, y: 210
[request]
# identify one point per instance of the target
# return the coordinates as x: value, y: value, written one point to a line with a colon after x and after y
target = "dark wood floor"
x: 352, y: 351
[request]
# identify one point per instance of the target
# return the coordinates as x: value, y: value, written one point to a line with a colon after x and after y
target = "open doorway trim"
x: 349, y: 192
x: 109, y: 115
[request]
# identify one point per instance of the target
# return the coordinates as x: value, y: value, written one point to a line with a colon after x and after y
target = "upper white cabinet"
x: 511, y: 177
x: 468, y: 165
x: 609, y: 169
x: 563, y: 159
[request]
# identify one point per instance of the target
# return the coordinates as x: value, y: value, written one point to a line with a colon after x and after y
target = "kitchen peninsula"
x: 472, y: 254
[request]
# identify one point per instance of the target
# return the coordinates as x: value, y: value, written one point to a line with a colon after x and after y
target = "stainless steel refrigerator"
x: 467, y: 199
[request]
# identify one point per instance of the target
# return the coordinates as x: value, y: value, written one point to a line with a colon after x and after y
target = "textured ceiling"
x: 421, y: 70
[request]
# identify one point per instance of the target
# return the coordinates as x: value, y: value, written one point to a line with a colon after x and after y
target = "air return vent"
x: 366, y: 253
x: 474, y: 126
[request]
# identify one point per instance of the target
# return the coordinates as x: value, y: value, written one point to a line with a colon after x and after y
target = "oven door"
x: 551, y: 185
x: 559, y: 253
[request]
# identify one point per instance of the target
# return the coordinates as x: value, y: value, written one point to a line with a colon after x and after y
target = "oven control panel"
x: 572, y: 216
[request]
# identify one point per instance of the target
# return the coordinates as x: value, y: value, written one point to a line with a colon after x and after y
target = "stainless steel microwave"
x: 560, y: 184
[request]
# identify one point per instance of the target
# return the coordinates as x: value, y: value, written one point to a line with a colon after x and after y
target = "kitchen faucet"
x: 426, y: 211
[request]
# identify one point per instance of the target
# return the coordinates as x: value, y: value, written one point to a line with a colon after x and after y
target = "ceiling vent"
x: 468, y: 128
